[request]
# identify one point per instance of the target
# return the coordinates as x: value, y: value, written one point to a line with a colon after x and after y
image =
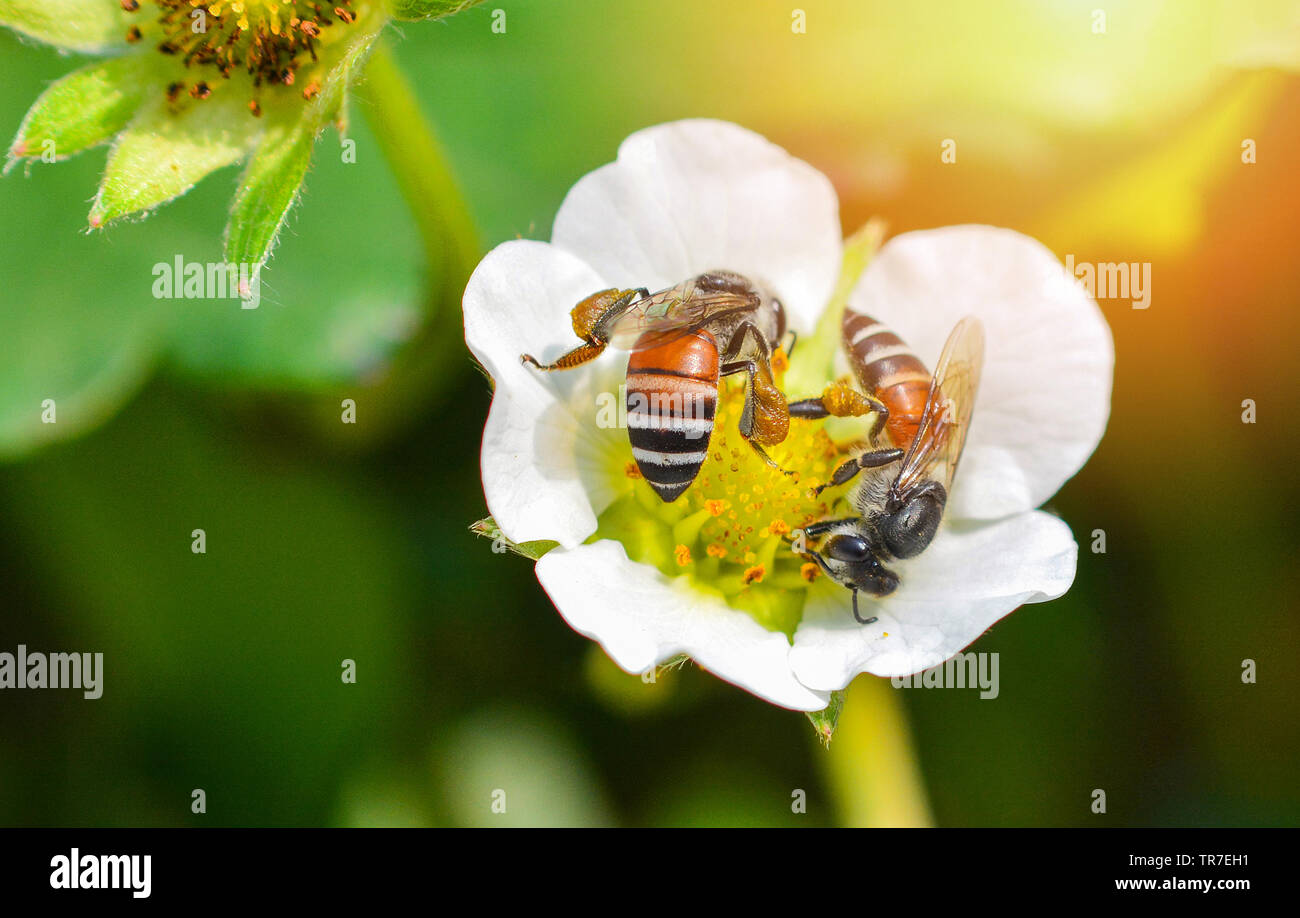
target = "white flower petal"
x: 690, y: 196
x: 642, y: 618
x: 545, y: 463
x: 518, y: 301
x: 971, y: 575
x: 1045, y: 393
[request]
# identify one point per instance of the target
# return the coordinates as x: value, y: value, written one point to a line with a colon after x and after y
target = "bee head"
x: 910, y: 525
x: 849, y: 560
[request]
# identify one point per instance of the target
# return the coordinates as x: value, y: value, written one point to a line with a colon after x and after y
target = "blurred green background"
x: 327, y: 541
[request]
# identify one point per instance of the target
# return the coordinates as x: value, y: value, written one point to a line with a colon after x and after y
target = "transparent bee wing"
x: 669, y: 314
x: 937, y: 447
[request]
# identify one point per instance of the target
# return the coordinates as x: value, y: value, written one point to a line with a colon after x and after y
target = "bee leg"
x: 765, y: 418
x: 583, y: 353
x: 747, y: 422
x: 809, y: 409
x: 593, y: 319
x: 868, y: 460
x: 823, y: 526
x: 842, y: 401
x: 762, y: 454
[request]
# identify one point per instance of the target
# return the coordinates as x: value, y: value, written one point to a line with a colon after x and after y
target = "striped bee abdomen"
x: 672, y: 393
x: 886, y: 368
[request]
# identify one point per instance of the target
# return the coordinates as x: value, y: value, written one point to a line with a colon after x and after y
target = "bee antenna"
x: 861, y: 620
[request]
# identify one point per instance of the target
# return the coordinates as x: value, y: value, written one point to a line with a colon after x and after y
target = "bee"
x: 682, y: 341
x: 924, y: 419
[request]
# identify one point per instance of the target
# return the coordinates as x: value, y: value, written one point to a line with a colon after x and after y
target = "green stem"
x: 419, y: 164
x: 433, y: 362
x: 871, y: 765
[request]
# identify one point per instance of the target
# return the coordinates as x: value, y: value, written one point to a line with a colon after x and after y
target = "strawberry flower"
x: 187, y: 87
x: 712, y: 575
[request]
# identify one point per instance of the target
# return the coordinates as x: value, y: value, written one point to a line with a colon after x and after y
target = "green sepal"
x: 412, y: 10
x: 91, y: 26
x: 83, y: 109
x: 826, y: 720
x: 278, y: 167
x: 267, y: 191
x: 487, y: 528
x: 162, y: 154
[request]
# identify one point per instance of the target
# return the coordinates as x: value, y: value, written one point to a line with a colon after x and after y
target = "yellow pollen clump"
x: 809, y: 571
x: 716, y: 551
x: 682, y: 555
x: 631, y: 470
x: 753, y: 575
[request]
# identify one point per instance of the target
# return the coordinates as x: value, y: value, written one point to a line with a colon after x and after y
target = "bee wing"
x: 669, y: 314
x: 941, y: 436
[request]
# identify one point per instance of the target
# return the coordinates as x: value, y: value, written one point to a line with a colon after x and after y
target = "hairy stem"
x: 419, y: 163
x: 433, y: 362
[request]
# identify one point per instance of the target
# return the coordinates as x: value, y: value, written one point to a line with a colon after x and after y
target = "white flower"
x: 690, y: 196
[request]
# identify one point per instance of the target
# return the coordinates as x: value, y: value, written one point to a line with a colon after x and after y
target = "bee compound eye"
x: 913, y: 527
x: 848, y: 548
x: 779, y: 308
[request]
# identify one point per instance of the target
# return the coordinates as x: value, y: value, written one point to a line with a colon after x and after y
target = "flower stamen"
x: 736, y: 517
x: 269, y: 40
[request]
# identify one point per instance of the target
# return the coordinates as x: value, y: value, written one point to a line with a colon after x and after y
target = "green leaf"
x: 77, y: 321
x: 76, y: 25
x: 261, y: 673
x: 429, y: 9
x: 267, y: 191
x: 75, y: 366
x: 84, y: 109
x: 162, y: 154
x: 83, y: 327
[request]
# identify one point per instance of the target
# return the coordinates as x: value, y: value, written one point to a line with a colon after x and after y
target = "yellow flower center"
x: 268, y: 40
x: 730, y: 532
x: 744, y: 506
